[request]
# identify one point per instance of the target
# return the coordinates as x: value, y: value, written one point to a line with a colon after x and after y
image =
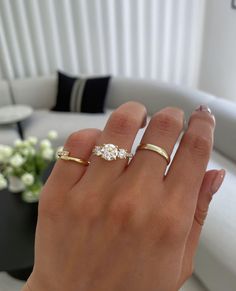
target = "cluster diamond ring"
x: 111, y: 152
x: 65, y: 155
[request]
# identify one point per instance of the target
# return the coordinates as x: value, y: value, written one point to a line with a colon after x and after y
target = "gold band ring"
x: 65, y: 155
x: 156, y: 149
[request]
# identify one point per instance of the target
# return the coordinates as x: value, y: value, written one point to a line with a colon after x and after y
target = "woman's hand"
x: 116, y: 227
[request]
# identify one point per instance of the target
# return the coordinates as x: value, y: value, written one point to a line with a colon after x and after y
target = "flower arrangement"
x: 22, y: 165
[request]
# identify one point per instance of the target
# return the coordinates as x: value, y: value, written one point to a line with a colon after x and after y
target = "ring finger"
x: 120, y: 130
x: 163, y: 131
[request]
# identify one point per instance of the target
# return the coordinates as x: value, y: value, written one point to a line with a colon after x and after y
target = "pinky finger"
x: 210, y: 185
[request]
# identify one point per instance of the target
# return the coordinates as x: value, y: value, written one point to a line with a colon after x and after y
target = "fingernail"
x: 204, y: 108
x: 217, y: 182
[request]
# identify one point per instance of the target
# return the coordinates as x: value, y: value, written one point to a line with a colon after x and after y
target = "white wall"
x: 218, y: 66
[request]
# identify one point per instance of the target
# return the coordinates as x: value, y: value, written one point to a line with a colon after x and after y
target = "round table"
x: 14, y: 114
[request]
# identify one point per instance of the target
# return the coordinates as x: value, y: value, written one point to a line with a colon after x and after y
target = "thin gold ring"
x: 65, y: 155
x: 156, y: 149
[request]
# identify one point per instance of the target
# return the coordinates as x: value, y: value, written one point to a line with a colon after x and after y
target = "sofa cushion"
x: 81, y: 94
x: 38, y: 92
x: 5, y: 95
x: 64, y: 123
x: 64, y: 89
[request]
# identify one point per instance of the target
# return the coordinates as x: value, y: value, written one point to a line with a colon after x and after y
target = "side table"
x: 15, y: 114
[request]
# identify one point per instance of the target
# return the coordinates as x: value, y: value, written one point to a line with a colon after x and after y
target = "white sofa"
x: 216, y: 259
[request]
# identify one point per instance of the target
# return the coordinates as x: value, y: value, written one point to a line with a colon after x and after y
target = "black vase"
x: 17, y: 230
x: 18, y: 221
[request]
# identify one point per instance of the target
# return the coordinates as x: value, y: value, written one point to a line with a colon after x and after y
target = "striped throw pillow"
x: 81, y: 94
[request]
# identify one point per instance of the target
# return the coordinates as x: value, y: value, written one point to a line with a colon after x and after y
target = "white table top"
x: 14, y: 113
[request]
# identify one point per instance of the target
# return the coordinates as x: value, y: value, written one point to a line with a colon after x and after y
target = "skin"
x: 116, y: 227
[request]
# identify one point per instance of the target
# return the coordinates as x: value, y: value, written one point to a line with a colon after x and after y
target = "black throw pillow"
x: 83, y: 94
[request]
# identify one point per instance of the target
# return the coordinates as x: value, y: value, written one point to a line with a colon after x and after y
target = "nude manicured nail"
x: 217, y: 182
x: 204, y: 108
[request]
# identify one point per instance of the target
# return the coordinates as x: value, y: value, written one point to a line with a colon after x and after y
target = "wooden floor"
x: 9, y: 284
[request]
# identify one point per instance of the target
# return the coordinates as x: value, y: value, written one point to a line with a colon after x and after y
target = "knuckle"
x: 81, y: 137
x: 198, y: 144
x: 167, y: 123
x: 122, y: 123
x: 73, y: 138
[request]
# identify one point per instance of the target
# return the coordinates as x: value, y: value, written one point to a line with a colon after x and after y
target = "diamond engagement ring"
x: 111, y: 152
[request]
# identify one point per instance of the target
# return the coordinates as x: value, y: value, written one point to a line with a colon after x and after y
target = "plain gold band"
x: 64, y: 155
x: 156, y: 149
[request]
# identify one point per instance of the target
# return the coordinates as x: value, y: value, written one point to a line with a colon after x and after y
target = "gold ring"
x: 65, y: 155
x: 111, y: 152
x: 156, y: 149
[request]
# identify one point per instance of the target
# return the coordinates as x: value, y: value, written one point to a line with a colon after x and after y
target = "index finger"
x: 187, y: 170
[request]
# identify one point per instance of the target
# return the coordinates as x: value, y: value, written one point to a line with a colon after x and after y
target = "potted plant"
x: 24, y: 167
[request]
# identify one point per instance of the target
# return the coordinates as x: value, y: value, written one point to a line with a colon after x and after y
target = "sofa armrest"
x: 225, y: 132
x: 157, y: 95
x: 154, y: 95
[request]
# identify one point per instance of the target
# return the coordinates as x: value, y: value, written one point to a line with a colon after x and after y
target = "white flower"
x: 18, y: 142
x: 25, y: 151
x: 9, y: 170
x: 27, y: 179
x: 52, y: 134
x: 3, y: 182
x: 2, y: 158
x: 26, y: 143
x: 47, y: 153
x: 32, y: 151
x: 45, y: 143
x: 5, y: 153
x: 32, y: 140
x: 17, y: 160
x: 29, y: 196
x: 15, y: 184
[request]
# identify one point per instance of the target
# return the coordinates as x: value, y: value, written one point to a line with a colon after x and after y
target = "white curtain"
x: 158, y: 39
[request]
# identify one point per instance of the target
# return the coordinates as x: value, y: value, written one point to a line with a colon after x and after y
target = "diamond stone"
x: 97, y: 151
x: 109, y: 152
x: 122, y: 154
